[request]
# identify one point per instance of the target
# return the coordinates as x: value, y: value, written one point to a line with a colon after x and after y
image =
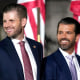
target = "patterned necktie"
x: 72, y: 68
x: 26, y: 62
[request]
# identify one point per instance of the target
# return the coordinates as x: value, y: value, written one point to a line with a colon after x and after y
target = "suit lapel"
x: 35, y: 52
x: 33, y: 47
x: 78, y: 58
x: 9, y: 47
x: 63, y: 65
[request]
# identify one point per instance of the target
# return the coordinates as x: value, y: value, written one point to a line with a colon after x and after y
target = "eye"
x: 60, y: 32
x: 69, y: 32
x: 11, y: 20
x: 4, y: 21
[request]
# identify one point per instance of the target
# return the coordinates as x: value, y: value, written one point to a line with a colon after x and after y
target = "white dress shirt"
x: 31, y: 57
x: 65, y: 54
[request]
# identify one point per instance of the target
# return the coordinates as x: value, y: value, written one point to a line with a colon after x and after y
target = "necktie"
x: 26, y: 62
x: 72, y: 68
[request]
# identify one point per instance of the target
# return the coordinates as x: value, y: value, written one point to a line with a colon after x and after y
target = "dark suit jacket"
x: 10, y: 65
x: 56, y: 68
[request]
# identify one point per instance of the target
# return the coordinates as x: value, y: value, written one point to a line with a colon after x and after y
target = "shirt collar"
x: 17, y: 41
x: 67, y: 54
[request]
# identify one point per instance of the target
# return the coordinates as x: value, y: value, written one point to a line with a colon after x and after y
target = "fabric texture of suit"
x: 10, y: 65
x: 55, y: 67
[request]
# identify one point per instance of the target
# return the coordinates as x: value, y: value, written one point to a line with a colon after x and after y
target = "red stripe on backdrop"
x: 75, y: 17
x: 30, y: 6
x: 33, y: 23
x: 76, y: 44
x: 75, y: 8
x: 35, y: 4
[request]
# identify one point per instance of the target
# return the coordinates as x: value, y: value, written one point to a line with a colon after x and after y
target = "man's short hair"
x: 21, y: 10
x: 69, y: 20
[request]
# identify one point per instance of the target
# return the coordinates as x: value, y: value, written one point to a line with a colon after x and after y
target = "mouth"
x: 64, y: 41
x: 8, y: 30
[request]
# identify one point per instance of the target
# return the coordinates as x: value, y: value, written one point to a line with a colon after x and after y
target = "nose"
x: 64, y: 35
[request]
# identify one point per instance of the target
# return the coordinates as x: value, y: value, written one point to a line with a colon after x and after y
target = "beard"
x: 17, y: 33
x: 66, y: 46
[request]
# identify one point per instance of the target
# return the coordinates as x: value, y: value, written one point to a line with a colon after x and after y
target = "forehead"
x: 65, y: 27
x: 10, y: 13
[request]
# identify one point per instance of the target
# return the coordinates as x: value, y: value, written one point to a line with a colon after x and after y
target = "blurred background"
x: 55, y: 10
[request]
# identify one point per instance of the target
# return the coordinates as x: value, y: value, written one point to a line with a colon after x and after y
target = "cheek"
x: 58, y: 37
x: 5, y: 24
x: 72, y: 38
x: 16, y: 25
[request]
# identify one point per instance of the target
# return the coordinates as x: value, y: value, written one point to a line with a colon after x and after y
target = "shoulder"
x: 49, y: 66
x: 38, y: 45
x: 51, y: 59
x: 53, y: 55
x: 4, y: 41
x: 33, y: 42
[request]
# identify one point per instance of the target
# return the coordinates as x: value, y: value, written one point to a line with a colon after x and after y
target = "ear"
x: 77, y: 37
x: 24, y: 21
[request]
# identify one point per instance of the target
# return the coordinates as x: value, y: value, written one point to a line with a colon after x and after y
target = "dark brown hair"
x: 69, y: 20
x: 21, y: 10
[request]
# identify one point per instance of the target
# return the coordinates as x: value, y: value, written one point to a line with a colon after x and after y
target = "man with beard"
x: 20, y: 57
x: 64, y: 63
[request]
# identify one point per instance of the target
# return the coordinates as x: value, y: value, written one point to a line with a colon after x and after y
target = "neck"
x: 70, y: 51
